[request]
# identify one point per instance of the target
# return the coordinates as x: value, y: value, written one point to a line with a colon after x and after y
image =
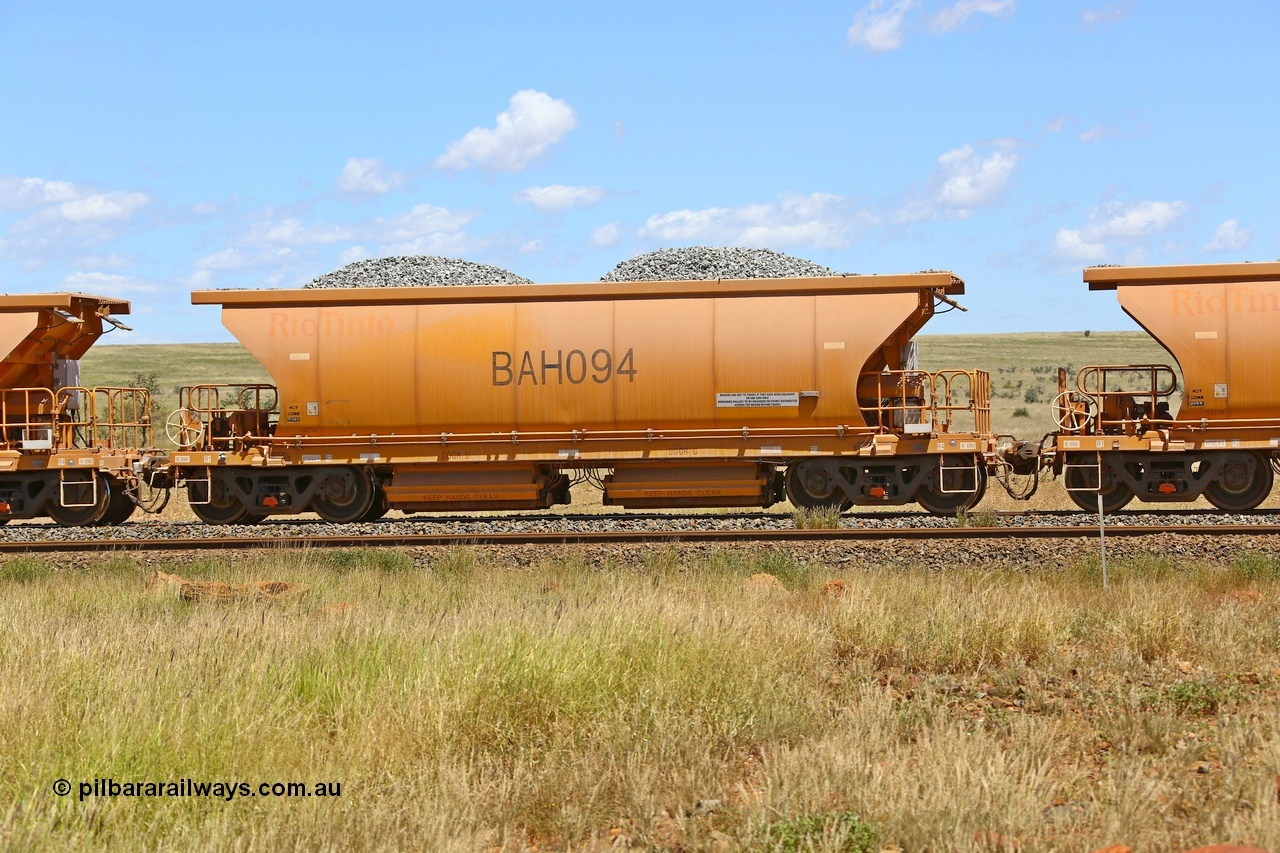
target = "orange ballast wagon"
x: 666, y: 394
x: 74, y: 454
x: 1120, y: 436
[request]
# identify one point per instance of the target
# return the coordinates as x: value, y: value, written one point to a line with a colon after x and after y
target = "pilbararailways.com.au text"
x: 227, y: 791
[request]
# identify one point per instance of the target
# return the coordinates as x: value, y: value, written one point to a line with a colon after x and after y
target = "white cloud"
x: 1069, y: 245
x: 1094, y: 134
x: 422, y: 220
x: 607, y: 236
x: 237, y: 258
x: 878, y: 29
x: 1118, y: 231
x: 1055, y: 124
x: 964, y: 180
x: 294, y: 232
x: 419, y: 221
x: 970, y: 180
x: 819, y: 219
x: 1110, y: 14
x: 453, y: 244
x: 1229, y: 237
x: 882, y: 25
x: 277, y: 245
x: 1129, y: 222
x: 199, y: 280
x: 107, y: 210
x: 532, y: 123
x: 1127, y: 127
x: 350, y: 256
x: 954, y: 17
x: 368, y: 176
x: 30, y: 193
x: 59, y: 219
x: 97, y: 282
x: 104, y: 207
x: 558, y: 197
x: 109, y: 261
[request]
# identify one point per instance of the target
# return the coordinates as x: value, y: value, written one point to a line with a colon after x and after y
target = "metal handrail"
x: 1161, y: 384
x: 942, y: 396
x: 99, y: 418
x: 207, y: 404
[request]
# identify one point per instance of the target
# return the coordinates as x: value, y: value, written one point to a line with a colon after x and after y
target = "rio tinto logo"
x: 286, y: 325
x: 1236, y: 300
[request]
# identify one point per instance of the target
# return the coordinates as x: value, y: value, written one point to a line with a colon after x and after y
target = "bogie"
x: 1243, y: 483
x: 956, y: 483
x: 81, y: 499
x: 345, y: 495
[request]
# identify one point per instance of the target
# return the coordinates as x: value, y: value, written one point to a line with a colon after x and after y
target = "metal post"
x: 1102, y: 539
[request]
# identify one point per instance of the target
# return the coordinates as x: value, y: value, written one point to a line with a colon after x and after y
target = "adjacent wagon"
x: 1121, y: 437
x: 73, y: 454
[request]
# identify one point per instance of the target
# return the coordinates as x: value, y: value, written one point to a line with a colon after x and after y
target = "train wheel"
x: 120, y: 506
x: 1246, y: 482
x: 380, y: 505
x: 1115, y: 494
x: 935, y: 500
x: 214, y: 502
x: 810, y: 486
x: 345, y: 497
x: 84, y: 490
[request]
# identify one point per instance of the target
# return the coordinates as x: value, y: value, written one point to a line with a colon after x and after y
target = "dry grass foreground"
x: 464, y: 705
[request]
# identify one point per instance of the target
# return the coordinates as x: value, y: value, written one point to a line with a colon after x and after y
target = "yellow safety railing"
x: 1115, y: 399
x: 101, y: 418
x: 922, y: 402
x: 216, y: 416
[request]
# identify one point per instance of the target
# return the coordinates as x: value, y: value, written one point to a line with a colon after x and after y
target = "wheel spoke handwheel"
x: 184, y: 428
x: 1072, y: 410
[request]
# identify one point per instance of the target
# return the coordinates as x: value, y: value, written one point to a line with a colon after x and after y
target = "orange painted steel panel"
x: 850, y: 335
x: 65, y: 300
x: 14, y: 328
x: 1109, y: 278
x: 1253, y: 368
x: 564, y: 364
x: 663, y: 357
x: 359, y: 384
x: 690, y: 484
x: 678, y: 381
x: 455, y: 347
x: 764, y: 346
x: 36, y: 327
x: 1220, y: 323
x: 943, y: 282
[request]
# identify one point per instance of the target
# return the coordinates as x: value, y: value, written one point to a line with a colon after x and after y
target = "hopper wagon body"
x: 665, y: 394
x: 74, y: 454
x: 1121, y: 436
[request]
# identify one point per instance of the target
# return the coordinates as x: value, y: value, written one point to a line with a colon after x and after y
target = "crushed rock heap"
x: 710, y: 262
x: 416, y: 271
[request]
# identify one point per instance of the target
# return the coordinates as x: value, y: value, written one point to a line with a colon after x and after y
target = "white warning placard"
x: 758, y: 400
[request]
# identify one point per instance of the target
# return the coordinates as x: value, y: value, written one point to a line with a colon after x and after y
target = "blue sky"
x: 149, y: 149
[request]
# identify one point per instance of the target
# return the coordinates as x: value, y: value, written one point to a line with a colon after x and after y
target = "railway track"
x: 657, y: 536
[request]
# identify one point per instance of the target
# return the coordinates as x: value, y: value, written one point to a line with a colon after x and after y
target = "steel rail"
x: 631, y: 537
